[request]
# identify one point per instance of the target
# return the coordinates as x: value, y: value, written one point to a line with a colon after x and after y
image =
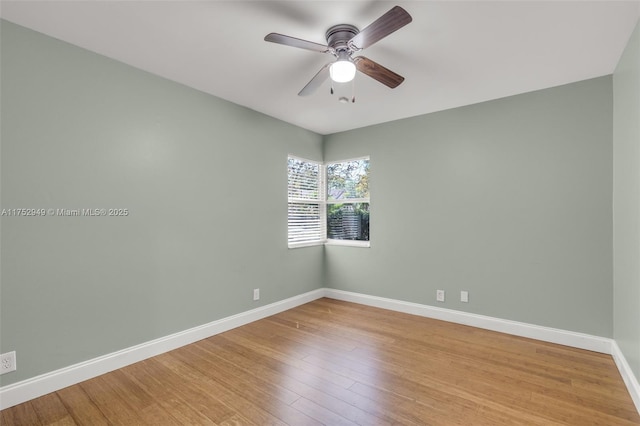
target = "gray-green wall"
x: 626, y: 203
x: 509, y: 199
x: 202, y: 178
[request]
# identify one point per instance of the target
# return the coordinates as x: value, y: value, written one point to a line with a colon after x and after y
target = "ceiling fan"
x: 343, y: 41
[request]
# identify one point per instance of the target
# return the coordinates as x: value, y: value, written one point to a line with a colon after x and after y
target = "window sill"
x: 311, y: 244
x: 348, y: 243
x: 343, y: 243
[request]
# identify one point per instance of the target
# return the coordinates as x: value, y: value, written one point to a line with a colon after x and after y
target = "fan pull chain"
x: 353, y: 91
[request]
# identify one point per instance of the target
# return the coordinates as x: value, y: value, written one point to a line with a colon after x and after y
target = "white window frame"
x: 350, y: 243
x: 322, y: 202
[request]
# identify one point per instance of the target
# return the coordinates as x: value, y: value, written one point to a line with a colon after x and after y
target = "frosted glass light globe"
x: 342, y: 71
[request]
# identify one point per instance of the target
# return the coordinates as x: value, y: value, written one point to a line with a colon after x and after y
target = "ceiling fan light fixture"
x: 342, y: 71
x: 343, y: 40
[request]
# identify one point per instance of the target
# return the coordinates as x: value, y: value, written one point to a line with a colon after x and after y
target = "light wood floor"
x: 336, y: 363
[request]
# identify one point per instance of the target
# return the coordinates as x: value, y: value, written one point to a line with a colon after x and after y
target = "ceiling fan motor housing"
x: 338, y: 36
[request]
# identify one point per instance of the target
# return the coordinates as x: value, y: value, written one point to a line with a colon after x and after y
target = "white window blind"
x: 306, y: 203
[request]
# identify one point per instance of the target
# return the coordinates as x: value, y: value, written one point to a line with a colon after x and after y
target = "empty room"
x: 319, y: 213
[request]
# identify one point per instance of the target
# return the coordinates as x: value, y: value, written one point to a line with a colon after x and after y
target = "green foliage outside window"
x: 346, y: 181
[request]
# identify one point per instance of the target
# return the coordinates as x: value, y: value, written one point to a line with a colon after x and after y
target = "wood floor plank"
x: 51, y: 410
x: 421, y: 410
x: 185, y: 403
x: 337, y: 363
x: 290, y: 362
x: 274, y: 400
x: 297, y: 384
x: 244, y: 378
x: 302, y: 383
x: 22, y: 414
x: 146, y: 405
x: 254, y: 412
x: 573, y: 413
x: 321, y: 413
x: 115, y: 409
x: 80, y: 407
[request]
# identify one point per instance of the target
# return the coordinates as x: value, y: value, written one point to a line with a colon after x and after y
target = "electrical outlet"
x: 440, y: 295
x: 464, y: 296
x: 8, y: 362
x: 256, y: 294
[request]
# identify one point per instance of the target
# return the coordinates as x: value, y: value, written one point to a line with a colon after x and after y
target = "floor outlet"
x: 464, y: 296
x: 8, y: 362
x: 256, y: 294
x: 440, y: 295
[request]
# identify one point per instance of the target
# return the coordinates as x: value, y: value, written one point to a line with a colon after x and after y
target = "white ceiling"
x: 454, y: 53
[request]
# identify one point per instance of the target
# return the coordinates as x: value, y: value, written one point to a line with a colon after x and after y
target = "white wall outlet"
x: 464, y: 296
x: 8, y: 362
x: 440, y: 295
x: 256, y: 294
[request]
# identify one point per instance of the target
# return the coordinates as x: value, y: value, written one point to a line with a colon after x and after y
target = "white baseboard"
x: 35, y: 387
x: 547, y: 334
x: 627, y: 375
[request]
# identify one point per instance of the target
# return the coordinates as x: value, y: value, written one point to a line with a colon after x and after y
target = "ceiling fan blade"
x: 316, y: 81
x: 296, y: 42
x: 391, y: 21
x: 378, y: 72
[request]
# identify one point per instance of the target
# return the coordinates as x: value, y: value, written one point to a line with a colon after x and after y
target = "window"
x: 348, y: 202
x: 306, y: 211
x: 328, y: 203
